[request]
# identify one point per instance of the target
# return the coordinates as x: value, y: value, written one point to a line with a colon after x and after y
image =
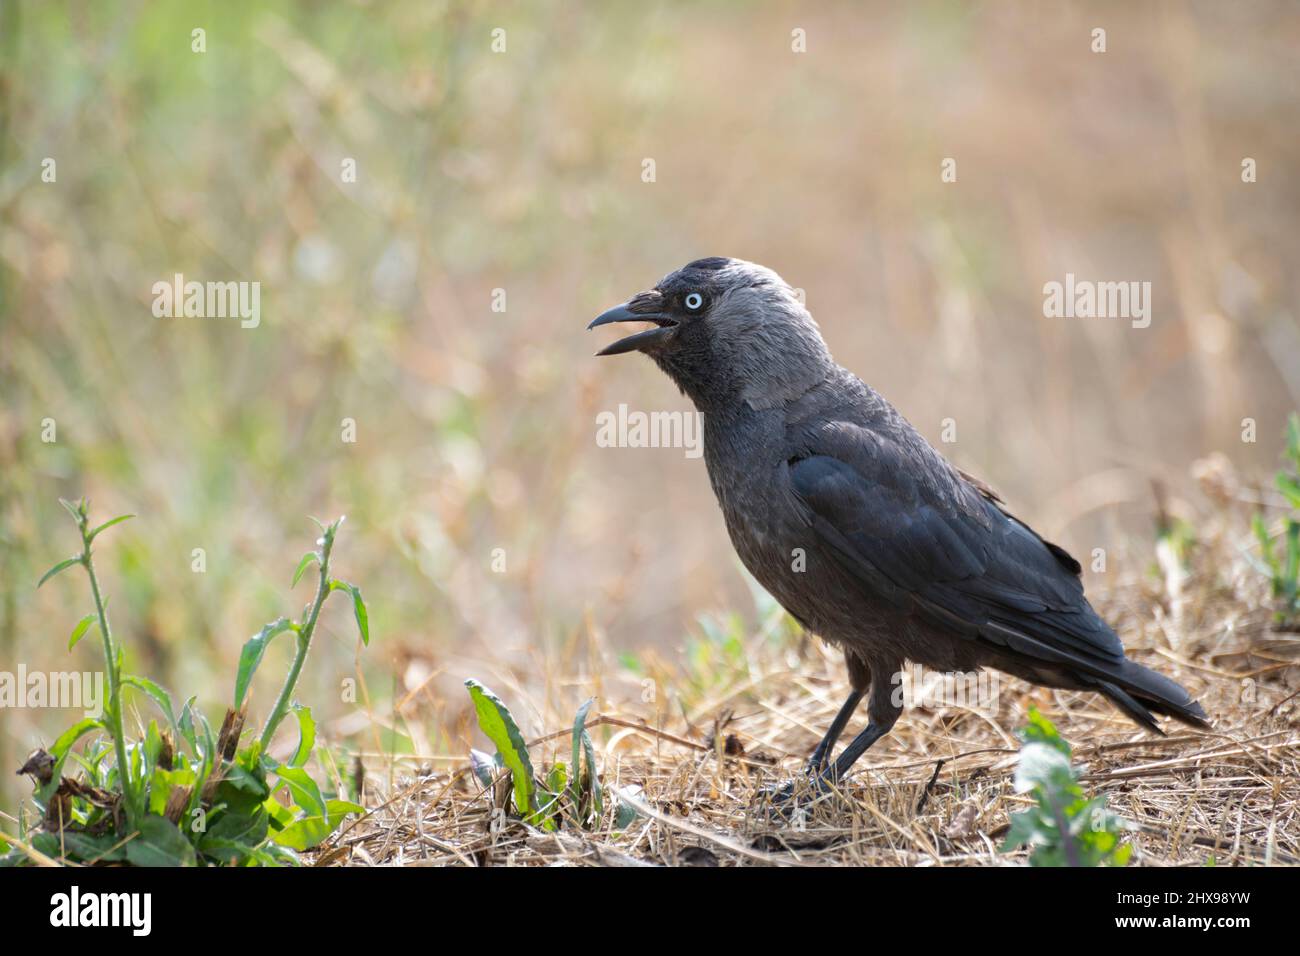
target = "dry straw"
x: 938, y: 790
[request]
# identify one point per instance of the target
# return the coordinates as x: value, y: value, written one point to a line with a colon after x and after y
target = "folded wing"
x: 912, y: 530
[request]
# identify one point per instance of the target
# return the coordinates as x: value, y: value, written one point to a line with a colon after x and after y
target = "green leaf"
x: 557, y: 779
x: 271, y: 854
x: 80, y: 630
x: 587, y: 781
x: 626, y: 812
x: 159, y: 843
x: 549, y: 808
x: 361, y: 614
x: 106, y: 525
x: 161, y: 784
x: 280, y: 815
x: 203, y: 753
x: 87, y: 849
x: 343, y: 806
x: 312, y: 830
x: 152, y: 747
x: 306, y: 561
x: 579, y: 728
x: 234, y: 836
x: 159, y: 696
x: 251, y: 656
x: 1041, y: 730
x: 306, y: 735
x: 61, y: 566
x: 306, y: 793
x: 495, y: 721
x: 48, y: 844
x: 208, y: 748
x: 358, y: 608
x: 60, y: 750
x: 74, y: 733
x: 1023, y: 831
x: 242, y: 788
x: 186, y: 725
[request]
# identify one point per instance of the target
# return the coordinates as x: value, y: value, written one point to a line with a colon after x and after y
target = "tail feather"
x: 1136, y: 690
x: 1121, y: 699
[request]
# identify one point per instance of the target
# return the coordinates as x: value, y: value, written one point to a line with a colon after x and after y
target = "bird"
x: 865, y: 533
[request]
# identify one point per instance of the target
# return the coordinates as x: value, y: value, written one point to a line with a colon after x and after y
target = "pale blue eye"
x: 694, y: 301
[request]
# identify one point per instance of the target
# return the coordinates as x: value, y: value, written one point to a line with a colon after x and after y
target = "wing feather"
x: 914, y: 531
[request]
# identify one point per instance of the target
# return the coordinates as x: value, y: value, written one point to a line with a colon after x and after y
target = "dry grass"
x: 936, y: 791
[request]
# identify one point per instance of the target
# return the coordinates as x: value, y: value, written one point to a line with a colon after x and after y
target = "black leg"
x: 821, y: 756
x: 856, y: 748
x: 884, y: 711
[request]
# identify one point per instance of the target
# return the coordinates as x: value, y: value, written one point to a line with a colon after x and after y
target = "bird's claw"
x: 789, y: 796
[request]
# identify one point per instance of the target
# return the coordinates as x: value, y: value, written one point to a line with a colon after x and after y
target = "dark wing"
x: 904, y: 521
x: 916, y: 532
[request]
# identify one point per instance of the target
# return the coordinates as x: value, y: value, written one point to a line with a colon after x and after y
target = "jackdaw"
x: 856, y: 524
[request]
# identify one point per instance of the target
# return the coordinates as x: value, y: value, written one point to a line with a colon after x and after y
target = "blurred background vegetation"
x: 521, y: 171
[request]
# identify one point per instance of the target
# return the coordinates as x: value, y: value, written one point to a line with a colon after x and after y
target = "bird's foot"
x: 792, y: 797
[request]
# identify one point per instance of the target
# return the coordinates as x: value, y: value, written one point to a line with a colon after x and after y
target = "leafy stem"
x: 304, y: 633
x: 113, y: 710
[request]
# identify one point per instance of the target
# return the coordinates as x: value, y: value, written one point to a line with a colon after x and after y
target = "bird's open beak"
x: 643, y: 307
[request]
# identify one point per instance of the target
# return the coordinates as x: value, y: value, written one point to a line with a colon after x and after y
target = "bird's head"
x: 727, y: 332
